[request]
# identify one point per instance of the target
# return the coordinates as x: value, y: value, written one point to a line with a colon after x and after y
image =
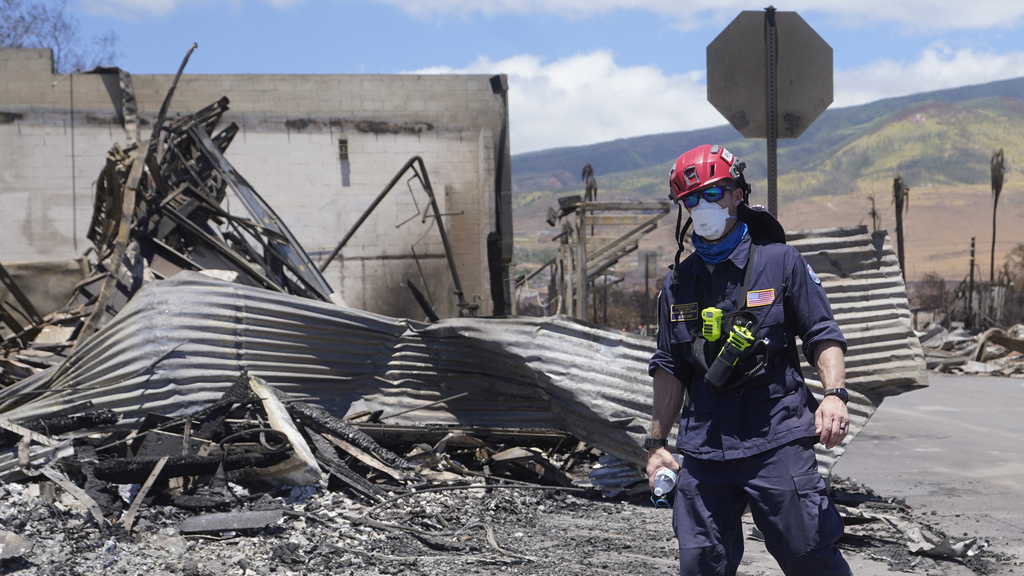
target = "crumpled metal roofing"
x: 861, y: 275
x: 179, y: 343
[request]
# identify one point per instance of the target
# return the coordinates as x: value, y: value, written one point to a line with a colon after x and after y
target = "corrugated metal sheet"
x: 181, y: 342
x: 861, y: 275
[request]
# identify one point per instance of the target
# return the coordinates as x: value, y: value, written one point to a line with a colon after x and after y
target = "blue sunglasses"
x: 711, y: 195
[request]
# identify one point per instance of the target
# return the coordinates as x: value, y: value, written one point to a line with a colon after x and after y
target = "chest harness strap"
x: 741, y: 348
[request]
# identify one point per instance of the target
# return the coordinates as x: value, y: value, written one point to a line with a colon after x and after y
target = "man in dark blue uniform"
x: 727, y: 359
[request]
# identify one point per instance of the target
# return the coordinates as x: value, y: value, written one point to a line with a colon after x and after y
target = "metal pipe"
x: 464, y: 308
x: 366, y: 213
x: 424, y: 178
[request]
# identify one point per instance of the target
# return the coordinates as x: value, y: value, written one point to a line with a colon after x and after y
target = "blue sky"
x: 580, y: 71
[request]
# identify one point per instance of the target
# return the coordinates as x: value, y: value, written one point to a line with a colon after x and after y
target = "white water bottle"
x: 665, y: 479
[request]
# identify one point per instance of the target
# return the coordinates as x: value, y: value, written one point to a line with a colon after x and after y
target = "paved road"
x: 955, y: 452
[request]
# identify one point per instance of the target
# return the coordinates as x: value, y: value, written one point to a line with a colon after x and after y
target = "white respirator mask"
x: 709, y: 220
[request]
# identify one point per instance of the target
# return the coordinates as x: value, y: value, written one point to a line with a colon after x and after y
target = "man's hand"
x: 831, y: 419
x: 831, y: 422
x: 657, y: 459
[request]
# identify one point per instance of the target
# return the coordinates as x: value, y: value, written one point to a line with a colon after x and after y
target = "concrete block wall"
x: 51, y: 152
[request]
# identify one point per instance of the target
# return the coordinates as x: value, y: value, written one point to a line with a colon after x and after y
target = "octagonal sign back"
x: 737, y: 74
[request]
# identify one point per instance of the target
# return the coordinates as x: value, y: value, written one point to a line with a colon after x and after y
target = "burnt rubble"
x: 256, y: 437
x: 205, y: 385
x: 258, y: 463
x: 158, y: 211
x: 994, y: 352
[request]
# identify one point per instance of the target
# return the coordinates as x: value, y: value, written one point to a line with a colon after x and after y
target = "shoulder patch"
x: 814, y: 277
x: 684, y: 312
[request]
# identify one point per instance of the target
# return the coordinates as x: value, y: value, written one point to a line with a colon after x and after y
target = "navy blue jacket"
x: 775, y: 407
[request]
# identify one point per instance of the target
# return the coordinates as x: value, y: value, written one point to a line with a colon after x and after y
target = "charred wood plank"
x: 203, y: 502
x: 320, y: 420
x: 70, y: 487
x: 19, y: 296
x: 137, y: 470
x: 57, y: 425
x: 213, y: 417
x: 129, y: 517
x: 327, y: 457
x: 26, y: 433
x: 394, y: 435
x: 368, y: 459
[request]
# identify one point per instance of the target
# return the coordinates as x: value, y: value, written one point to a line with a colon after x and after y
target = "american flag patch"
x: 760, y: 297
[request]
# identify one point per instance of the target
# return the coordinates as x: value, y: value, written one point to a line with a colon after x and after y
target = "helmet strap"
x: 680, y: 234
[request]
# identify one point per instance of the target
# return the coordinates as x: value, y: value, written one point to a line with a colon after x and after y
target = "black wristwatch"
x: 842, y: 393
x: 650, y: 443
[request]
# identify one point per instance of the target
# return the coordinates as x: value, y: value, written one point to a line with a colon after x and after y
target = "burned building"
x: 173, y: 202
x: 321, y: 149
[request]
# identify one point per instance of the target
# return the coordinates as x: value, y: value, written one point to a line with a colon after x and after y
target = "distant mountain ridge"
x: 829, y: 133
x: 836, y: 174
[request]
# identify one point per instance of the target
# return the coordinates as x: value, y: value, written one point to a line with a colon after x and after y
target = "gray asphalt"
x: 954, y: 451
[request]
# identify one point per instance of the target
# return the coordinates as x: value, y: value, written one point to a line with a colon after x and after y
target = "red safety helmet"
x: 702, y: 167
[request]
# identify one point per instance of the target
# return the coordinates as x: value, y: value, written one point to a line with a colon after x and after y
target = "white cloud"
x: 130, y: 8
x: 134, y: 8
x: 938, y: 67
x: 912, y: 15
x: 587, y: 98
x: 917, y: 15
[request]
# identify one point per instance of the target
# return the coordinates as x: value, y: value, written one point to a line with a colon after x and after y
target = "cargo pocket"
x: 823, y: 523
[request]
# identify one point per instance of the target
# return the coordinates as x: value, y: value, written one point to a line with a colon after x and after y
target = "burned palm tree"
x: 590, y: 195
x: 588, y: 176
x: 876, y: 217
x: 998, y: 166
x: 901, y: 198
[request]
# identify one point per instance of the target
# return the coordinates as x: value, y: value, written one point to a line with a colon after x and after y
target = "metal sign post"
x: 771, y: 59
x: 770, y: 75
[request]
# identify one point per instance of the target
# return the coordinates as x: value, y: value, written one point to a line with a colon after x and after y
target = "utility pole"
x: 901, y: 197
x: 998, y: 164
x: 970, y: 291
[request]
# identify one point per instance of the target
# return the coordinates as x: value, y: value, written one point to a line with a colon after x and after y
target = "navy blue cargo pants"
x: 788, y: 502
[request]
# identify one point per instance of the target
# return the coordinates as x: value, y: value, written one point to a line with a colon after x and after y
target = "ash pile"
x: 255, y: 466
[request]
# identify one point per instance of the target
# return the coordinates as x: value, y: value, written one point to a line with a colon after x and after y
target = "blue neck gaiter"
x: 715, y: 253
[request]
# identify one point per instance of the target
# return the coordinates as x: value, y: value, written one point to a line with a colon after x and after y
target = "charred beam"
x: 137, y: 470
x: 327, y: 457
x: 57, y: 425
x: 321, y: 420
x: 393, y: 434
x: 23, y: 301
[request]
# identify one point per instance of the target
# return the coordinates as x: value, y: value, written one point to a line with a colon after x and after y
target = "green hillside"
x: 835, y: 129
x: 940, y: 143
